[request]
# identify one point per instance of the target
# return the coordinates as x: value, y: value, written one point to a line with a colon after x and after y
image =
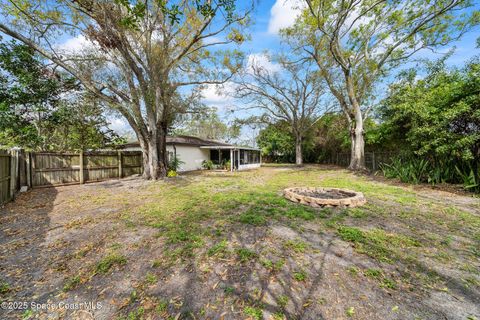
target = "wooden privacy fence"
x: 39, y: 169
x: 373, y: 160
x: 49, y: 169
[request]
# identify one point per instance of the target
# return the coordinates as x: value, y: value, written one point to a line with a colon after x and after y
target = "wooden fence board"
x: 65, y: 168
x: 5, y: 171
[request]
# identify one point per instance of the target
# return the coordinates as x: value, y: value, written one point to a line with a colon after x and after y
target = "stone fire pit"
x: 325, y: 197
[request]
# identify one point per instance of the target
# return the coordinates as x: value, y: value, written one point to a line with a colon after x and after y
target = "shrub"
x: 227, y: 165
x: 174, y: 164
x: 207, y: 164
x: 433, y: 171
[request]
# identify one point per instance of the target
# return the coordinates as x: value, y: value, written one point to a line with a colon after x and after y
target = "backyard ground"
x: 216, y: 245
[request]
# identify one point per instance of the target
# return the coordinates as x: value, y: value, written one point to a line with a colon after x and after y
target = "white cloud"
x: 261, y: 60
x: 119, y: 125
x: 283, y: 14
x: 77, y: 43
x: 218, y: 95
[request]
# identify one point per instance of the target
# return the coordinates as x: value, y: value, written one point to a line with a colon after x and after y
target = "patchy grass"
x: 273, y: 266
x: 300, y: 275
x: 113, y: 259
x: 4, y: 287
x: 252, y: 218
x: 71, y: 283
x: 377, y: 243
x: 245, y: 255
x: 228, y: 245
x: 296, y: 246
x: 219, y: 249
x: 253, y: 313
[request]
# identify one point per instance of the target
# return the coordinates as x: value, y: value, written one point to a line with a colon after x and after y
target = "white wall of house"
x: 192, y: 156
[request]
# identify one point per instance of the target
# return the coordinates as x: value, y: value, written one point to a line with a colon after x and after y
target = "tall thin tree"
x: 292, y: 93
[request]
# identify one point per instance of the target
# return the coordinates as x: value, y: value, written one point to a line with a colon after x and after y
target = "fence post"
x: 28, y: 169
x: 13, y: 174
x: 82, y: 177
x: 374, y: 164
x: 120, y: 164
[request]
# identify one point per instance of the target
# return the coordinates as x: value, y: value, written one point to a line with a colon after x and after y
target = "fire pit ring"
x: 325, y: 197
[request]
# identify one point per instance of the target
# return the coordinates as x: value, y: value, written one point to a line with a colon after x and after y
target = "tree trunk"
x: 145, y: 161
x: 298, y: 151
x: 162, y: 150
x: 357, y: 158
x: 154, y: 156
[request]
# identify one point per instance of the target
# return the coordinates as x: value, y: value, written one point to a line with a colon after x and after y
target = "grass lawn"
x: 216, y: 245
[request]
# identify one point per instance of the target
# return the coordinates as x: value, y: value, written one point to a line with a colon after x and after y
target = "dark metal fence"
x: 373, y: 160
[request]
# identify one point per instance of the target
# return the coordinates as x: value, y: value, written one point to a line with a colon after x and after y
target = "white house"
x: 194, y: 151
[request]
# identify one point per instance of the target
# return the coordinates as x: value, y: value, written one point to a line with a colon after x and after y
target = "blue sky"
x: 268, y: 18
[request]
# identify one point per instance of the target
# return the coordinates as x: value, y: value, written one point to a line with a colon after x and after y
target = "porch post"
x: 231, y: 160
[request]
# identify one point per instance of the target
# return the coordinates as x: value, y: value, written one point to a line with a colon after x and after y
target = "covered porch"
x: 235, y: 158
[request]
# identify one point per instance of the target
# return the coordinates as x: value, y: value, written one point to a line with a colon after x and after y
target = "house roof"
x: 182, y: 140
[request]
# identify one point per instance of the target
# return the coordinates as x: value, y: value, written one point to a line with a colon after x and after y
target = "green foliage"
x: 206, y: 124
x: 175, y: 163
x: 327, y: 137
x: 227, y: 165
x: 373, y: 273
x: 136, y: 10
x: 277, y: 142
x: 471, y: 181
x: 436, y: 120
x: 33, y: 113
x: 273, y: 266
x: 208, y: 164
x: 357, y: 46
x: 414, y: 170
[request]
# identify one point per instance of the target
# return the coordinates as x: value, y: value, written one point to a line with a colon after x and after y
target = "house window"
x: 249, y: 156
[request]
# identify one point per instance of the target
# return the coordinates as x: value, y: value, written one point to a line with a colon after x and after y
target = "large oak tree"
x: 147, y: 59
x: 356, y: 43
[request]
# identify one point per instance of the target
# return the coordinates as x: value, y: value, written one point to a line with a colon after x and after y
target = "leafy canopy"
x: 438, y: 115
x: 44, y: 110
